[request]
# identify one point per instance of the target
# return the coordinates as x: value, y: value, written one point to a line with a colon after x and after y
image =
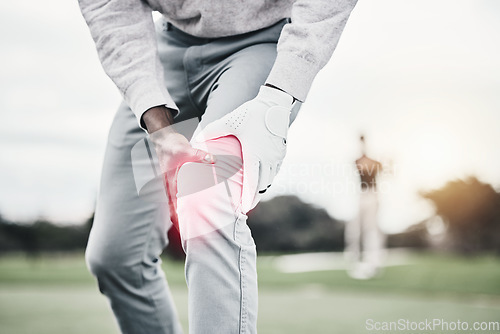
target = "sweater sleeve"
x: 307, y: 43
x: 124, y: 34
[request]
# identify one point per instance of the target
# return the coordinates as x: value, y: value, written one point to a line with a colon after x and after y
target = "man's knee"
x: 196, y: 180
x: 104, y: 261
x: 209, y: 195
x: 98, y: 263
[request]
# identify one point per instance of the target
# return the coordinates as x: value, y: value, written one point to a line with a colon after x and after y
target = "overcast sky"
x: 421, y: 79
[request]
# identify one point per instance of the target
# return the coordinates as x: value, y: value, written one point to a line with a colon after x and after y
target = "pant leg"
x: 352, y: 237
x: 130, y: 232
x: 373, y: 239
x: 221, y: 254
x: 127, y: 238
x: 220, y: 75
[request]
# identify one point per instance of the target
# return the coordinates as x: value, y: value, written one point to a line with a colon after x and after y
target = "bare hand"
x: 173, y: 150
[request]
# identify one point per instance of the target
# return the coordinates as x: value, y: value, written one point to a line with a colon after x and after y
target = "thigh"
x: 240, y: 75
x: 175, y: 49
x: 243, y: 74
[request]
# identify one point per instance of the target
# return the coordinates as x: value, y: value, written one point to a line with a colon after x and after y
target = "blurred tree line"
x: 286, y: 224
x: 469, y: 208
x: 471, y: 212
x: 42, y: 236
x: 283, y: 224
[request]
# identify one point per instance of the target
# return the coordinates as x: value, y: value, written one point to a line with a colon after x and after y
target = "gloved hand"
x: 261, y: 126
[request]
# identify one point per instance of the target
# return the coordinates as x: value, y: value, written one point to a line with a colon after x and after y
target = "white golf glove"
x: 261, y: 126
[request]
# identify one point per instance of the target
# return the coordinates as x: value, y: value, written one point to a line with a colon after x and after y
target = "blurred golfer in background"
x: 364, y: 240
x: 241, y: 70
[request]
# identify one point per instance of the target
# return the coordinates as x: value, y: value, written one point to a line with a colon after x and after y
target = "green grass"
x: 425, y: 274
x: 57, y: 295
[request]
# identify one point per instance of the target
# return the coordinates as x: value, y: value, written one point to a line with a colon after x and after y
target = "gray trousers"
x: 207, y: 79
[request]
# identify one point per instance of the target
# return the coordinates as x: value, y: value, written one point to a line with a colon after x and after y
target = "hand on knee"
x: 209, y: 196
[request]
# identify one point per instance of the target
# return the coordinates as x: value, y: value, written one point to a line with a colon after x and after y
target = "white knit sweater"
x: 124, y: 34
